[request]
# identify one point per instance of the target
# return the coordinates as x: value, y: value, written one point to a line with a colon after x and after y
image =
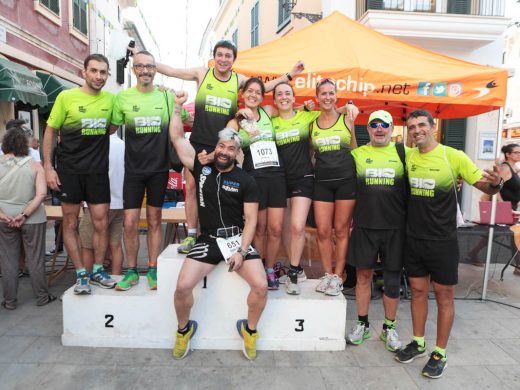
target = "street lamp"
x: 289, y: 6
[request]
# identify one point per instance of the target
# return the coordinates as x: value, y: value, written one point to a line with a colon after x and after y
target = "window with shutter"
x: 459, y: 7
x: 52, y: 5
x: 454, y: 133
x: 79, y: 15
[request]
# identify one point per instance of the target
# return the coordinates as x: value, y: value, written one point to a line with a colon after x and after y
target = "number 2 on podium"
x: 109, y: 318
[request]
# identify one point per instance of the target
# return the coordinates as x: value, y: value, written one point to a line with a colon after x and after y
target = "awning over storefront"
x: 52, y: 85
x: 18, y: 83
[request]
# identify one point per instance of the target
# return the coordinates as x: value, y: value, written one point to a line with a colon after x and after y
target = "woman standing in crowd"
x: 262, y: 162
x: 511, y: 189
x: 22, y: 218
x: 332, y: 139
x: 292, y: 139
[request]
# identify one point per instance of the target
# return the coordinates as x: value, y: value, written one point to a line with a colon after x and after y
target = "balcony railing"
x: 463, y: 7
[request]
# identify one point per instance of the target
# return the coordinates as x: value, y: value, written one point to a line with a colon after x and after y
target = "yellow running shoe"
x: 249, y: 347
x: 182, y: 341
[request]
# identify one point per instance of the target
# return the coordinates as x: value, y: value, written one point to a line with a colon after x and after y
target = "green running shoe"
x: 131, y: 278
x: 151, y: 276
x: 186, y: 245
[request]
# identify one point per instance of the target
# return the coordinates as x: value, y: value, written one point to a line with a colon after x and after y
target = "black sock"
x: 184, y: 330
x: 251, y: 332
x: 364, y: 319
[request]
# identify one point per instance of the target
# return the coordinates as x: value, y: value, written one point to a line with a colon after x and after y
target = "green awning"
x: 18, y: 83
x: 52, y: 85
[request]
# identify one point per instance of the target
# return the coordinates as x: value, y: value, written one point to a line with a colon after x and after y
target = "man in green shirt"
x: 81, y: 117
x: 431, y: 252
x: 145, y: 111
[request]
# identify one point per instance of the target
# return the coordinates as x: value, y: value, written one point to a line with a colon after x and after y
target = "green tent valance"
x: 18, y: 83
x: 52, y: 85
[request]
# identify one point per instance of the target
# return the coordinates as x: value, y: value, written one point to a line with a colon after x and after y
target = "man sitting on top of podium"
x: 228, y: 207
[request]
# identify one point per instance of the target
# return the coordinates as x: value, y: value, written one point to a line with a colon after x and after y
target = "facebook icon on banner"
x: 424, y: 89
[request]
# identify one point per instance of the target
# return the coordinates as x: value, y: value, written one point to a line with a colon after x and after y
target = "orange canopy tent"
x: 376, y: 71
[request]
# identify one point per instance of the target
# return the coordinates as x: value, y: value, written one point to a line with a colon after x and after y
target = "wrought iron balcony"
x: 461, y: 7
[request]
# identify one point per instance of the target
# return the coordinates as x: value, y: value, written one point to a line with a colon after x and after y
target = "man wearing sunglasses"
x: 379, y: 226
x: 145, y: 111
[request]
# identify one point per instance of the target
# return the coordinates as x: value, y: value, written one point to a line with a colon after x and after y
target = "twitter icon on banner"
x: 439, y: 89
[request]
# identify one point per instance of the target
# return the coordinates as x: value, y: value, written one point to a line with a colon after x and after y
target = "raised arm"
x: 491, y: 182
x: 182, y: 145
x: 189, y: 74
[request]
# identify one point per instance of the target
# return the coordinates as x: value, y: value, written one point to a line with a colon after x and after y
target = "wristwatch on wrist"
x: 242, y: 251
x: 499, y: 185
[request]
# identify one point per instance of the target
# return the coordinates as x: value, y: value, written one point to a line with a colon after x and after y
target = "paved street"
x: 484, y: 352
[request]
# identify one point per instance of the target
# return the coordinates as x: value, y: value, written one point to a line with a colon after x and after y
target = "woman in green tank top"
x: 334, y: 184
x: 262, y: 162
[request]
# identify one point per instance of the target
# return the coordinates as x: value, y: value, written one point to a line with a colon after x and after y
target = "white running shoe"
x: 324, y: 283
x: 335, y: 286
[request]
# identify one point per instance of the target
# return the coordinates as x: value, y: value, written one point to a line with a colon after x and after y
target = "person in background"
x: 511, y: 190
x: 22, y: 218
x: 116, y: 174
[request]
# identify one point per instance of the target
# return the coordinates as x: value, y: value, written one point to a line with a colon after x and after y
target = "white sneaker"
x: 292, y: 288
x: 335, y: 286
x: 324, y: 283
x: 391, y: 339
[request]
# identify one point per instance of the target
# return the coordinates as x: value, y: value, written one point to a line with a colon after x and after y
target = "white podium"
x: 140, y: 318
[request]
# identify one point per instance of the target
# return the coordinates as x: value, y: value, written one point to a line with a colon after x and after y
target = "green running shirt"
x: 432, y: 205
x: 381, y: 191
x: 265, y: 127
x: 215, y: 105
x: 82, y: 121
x: 332, y: 151
x: 146, y: 117
x: 292, y: 140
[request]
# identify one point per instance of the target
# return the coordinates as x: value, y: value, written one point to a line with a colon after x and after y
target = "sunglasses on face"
x: 384, y: 125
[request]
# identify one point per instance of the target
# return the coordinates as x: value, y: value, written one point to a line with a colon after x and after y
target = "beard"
x: 223, y: 165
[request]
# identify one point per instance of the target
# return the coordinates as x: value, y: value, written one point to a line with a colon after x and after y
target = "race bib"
x: 229, y: 246
x: 264, y: 154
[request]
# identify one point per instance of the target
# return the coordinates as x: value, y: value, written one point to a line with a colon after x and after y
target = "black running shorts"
x: 301, y: 186
x: 92, y: 188
x: 366, y: 245
x: 332, y: 190
x: 134, y: 187
x: 271, y: 192
x: 437, y: 258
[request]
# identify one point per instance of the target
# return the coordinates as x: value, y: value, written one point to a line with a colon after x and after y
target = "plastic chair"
x: 516, y: 232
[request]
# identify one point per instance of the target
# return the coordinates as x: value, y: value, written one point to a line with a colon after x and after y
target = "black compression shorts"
x: 271, y: 192
x: 332, y: 190
x: 207, y: 251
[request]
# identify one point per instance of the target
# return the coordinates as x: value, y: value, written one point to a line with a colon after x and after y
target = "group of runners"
x: 292, y: 158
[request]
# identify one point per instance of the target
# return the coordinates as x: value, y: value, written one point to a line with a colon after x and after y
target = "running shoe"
x: 131, y: 278
x: 291, y: 284
x: 324, y: 283
x: 335, y: 286
x: 391, y: 339
x: 82, y: 284
x: 359, y: 333
x: 435, y: 366
x: 102, y: 279
x: 249, y: 346
x: 410, y: 352
x: 182, y: 341
x: 272, y: 282
x: 301, y: 276
x: 186, y: 245
x: 53, y: 251
x: 151, y: 276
